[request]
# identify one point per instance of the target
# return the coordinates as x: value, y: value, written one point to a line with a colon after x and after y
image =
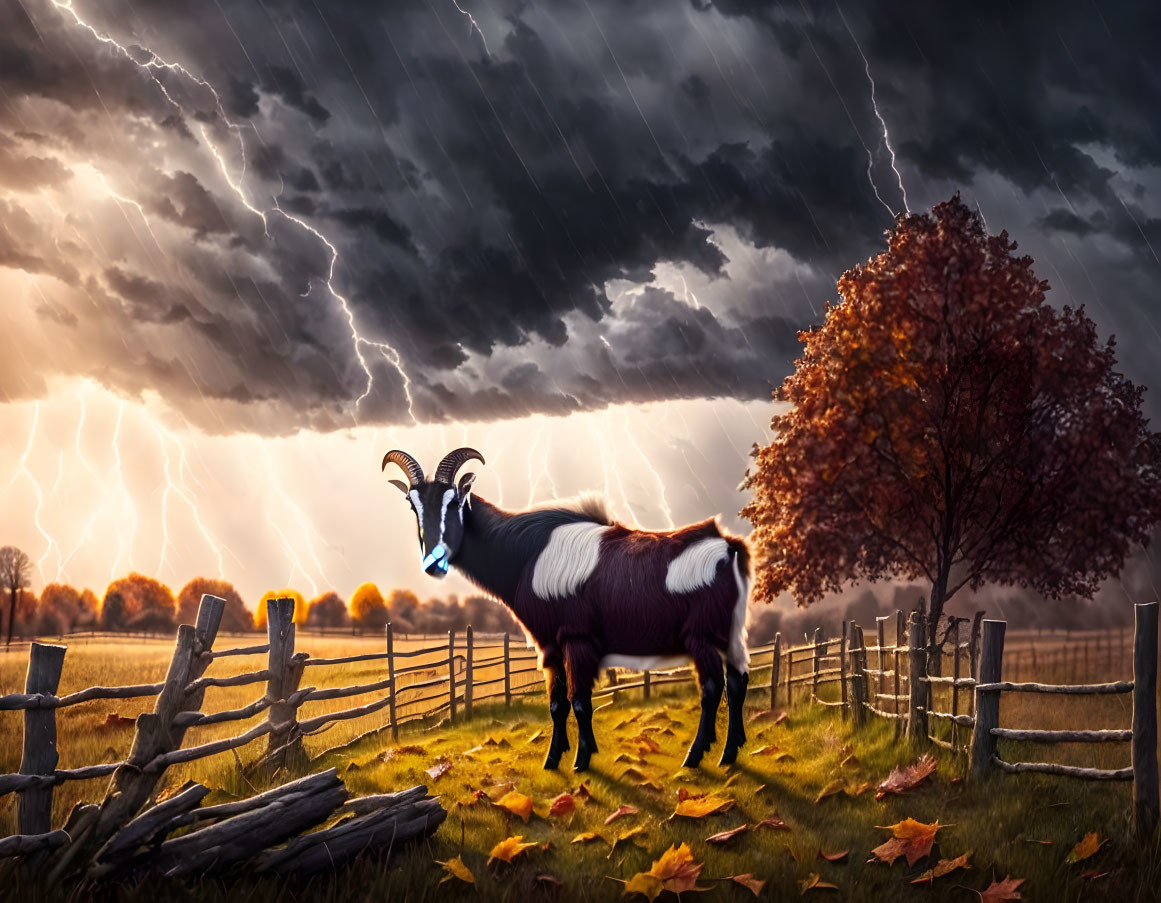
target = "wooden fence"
x: 426, y: 682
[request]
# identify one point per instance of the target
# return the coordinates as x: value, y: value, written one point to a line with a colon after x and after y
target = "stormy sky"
x: 289, y: 219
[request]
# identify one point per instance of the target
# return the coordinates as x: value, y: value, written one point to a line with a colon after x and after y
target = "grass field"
x: 1023, y: 826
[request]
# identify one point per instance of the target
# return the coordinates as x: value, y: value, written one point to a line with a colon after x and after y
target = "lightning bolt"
x: 662, y: 501
x: 878, y: 115
x: 181, y: 489
x: 150, y: 67
x: 473, y: 25
x: 23, y: 470
x: 303, y: 525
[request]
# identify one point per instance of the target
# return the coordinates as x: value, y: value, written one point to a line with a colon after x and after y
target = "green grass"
x: 1018, y: 825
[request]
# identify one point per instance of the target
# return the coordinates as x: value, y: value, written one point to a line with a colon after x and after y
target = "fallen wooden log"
x: 384, y: 830
x: 24, y: 844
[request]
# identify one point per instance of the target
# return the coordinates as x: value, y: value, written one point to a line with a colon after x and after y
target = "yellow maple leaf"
x: 643, y: 883
x: 509, y: 848
x: 455, y: 868
x: 517, y: 804
x: 676, y: 869
x: 814, y: 882
x: 586, y: 837
x: 701, y: 806
x: 748, y: 881
x: 944, y: 867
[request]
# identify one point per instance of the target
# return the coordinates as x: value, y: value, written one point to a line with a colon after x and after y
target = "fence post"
x: 774, y: 663
x: 451, y: 674
x: 507, y: 672
x: 881, y: 658
x: 391, y: 677
x: 954, y: 684
x: 155, y: 733
x: 991, y: 671
x: 469, y: 675
x: 900, y: 636
x: 789, y: 675
x: 285, y: 669
x: 1146, y: 804
x: 645, y: 688
x: 917, y: 687
x: 859, y: 687
x: 843, y: 670
x: 815, y: 663
x: 34, y: 814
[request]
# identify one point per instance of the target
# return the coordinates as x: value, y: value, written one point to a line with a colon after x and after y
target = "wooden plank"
x: 451, y: 673
x: 34, y: 814
x: 917, y: 688
x: 814, y: 659
x: 392, y: 718
x: 469, y: 676
x: 900, y: 638
x: 284, y: 742
x: 1146, y: 804
x: 955, y: 678
x: 1070, y: 771
x: 1124, y: 686
x: 775, y: 661
x: 843, y: 671
x: 1033, y: 736
x: 983, y: 752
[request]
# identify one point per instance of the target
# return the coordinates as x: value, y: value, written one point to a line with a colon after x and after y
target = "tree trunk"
x: 12, y: 591
x: 934, y: 612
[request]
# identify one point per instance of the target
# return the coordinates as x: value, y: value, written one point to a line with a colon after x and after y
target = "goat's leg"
x: 582, y: 665
x: 709, y: 673
x: 558, y: 709
x: 736, y: 683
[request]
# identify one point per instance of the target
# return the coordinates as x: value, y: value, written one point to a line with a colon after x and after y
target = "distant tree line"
x: 142, y: 604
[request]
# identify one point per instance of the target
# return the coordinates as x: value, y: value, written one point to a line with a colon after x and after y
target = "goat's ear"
x: 400, y: 485
x: 465, y: 488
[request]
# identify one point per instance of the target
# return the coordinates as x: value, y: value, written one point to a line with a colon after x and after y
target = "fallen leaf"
x: 910, y: 838
x: 549, y: 880
x: 726, y: 836
x: 684, y: 793
x: 748, y: 881
x: 701, y: 806
x: 833, y: 857
x: 509, y: 848
x: 1087, y: 846
x: 774, y: 716
x: 517, y: 804
x: 439, y: 769
x: 647, y: 743
x: 675, y: 871
x: 766, y: 751
x: 455, y: 868
x: 115, y: 719
x: 537, y: 737
x: 903, y: 780
x: 627, y: 834
x: 859, y: 789
x: 815, y: 882
x: 564, y: 804
x: 1092, y: 875
x: 582, y: 794
x: 1001, y: 891
x: 623, y: 810
x: 944, y: 867
x: 850, y: 761
x: 586, y: 837
x: 773, y: 822
x: 834, y: 788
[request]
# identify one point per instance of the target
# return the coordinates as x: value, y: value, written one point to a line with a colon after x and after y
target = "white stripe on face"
x: 447, y: 499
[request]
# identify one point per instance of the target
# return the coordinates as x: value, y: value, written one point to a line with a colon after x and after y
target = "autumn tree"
x: 368, y: 610
x: 402, y: 609
x: 57, y: 609
x: 327, y: 610
x: 946, y: 424
x: 235, y: 617
x: 138, y: 602
x: 300, y: 606
x: 15, y: 571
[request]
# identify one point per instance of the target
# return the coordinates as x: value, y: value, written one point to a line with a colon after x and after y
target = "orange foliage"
x: 368, y: 609
x: 301, y: 609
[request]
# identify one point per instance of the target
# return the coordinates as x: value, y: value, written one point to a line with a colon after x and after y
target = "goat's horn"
x: 453, y: 461
x: 409, y: 464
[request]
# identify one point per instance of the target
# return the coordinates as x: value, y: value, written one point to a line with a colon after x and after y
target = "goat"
x: 593, y: 594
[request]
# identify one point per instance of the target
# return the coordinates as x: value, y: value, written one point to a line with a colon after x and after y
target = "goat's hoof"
x: 551, y: 763
x: 693, y: 758
x: 581, y: 764
x: 729, y: 755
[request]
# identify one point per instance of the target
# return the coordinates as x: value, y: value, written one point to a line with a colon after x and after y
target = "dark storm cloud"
x: 487, y: 205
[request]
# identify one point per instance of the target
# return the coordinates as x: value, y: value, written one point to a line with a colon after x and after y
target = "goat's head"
x: 438, y: 504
